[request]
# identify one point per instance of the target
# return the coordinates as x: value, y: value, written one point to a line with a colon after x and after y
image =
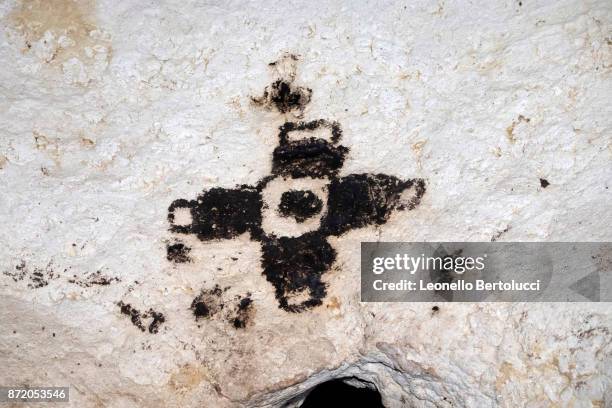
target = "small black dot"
x: 435, y: 308
x: 200, y: 309
x: 544, y: 183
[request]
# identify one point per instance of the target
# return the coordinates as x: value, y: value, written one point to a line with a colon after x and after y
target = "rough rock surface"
x: 110, y: 111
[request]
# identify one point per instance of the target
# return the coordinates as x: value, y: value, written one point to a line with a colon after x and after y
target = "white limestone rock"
x: 111, y: 110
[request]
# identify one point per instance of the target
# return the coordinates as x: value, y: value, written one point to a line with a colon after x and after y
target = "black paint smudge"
x: 38, y: 277
x: 208, y: 302
x: 20, y: 272
x: 38, y: 280
x: 158, y: 319
x: 499, y: 234
x: 242, y: 314
x: 94, y: 279
x: 544, y: 183
x: 136, y: 317
x: 178, y: 253
x: 284, y: 96
x: 200, y: 309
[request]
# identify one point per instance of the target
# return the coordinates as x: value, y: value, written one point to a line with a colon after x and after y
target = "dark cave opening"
x: 337, y: 393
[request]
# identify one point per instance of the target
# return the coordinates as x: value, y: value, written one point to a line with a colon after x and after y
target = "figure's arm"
x: 358, y: 200
x: 219, y: 213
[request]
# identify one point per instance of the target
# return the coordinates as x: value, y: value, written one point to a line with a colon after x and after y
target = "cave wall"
x: 112, y: 111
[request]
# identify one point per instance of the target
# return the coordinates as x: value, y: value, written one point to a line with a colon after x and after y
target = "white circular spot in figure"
x: 182, y: 216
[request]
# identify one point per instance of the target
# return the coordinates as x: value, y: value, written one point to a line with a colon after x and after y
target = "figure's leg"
x: 295, y: 267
